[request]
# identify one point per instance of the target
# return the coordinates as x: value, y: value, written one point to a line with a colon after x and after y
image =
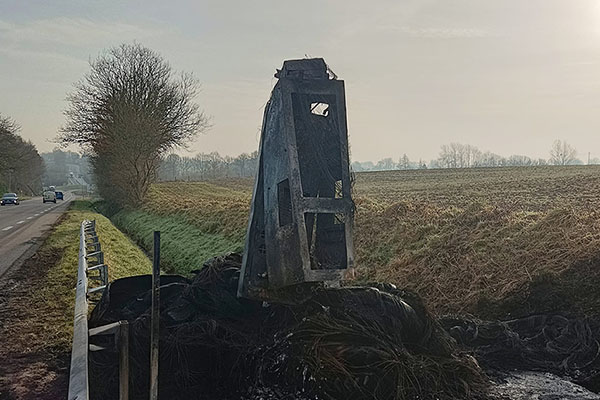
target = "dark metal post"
x: 124, y: 360
x: 154, y: 327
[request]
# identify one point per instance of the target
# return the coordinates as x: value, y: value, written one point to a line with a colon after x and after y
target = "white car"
x: 49, y: 196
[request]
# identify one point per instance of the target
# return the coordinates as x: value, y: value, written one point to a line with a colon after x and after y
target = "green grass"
x: 197, y: 221
x: 184, y: 246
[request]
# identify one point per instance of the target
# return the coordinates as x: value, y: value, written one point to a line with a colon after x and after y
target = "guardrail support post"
x: 123, y: 347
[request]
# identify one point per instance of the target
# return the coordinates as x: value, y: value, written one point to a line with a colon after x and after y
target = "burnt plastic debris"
x: 369, y: 342
x: 564, y: 345
x: 372, y: 342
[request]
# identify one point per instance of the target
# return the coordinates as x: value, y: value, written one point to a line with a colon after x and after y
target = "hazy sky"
x: 508, y: 76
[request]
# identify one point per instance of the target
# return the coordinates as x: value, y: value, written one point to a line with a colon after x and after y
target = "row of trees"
x: 458, y: 155
x: 454, y: 155
x: 127, y: 113
x: 60, y: 165
x: 21, y: 167
x: 207, y: 166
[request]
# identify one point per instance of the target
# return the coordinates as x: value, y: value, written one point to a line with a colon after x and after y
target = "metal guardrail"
x: 90, y: 249
x: 78, y: 378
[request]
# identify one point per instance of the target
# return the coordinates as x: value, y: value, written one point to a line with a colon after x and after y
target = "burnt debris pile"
x: 563, y: 345
x: 371, y: 342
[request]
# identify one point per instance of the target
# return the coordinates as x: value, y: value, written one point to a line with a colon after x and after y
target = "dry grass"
x: 214, y: 209
x: 197, y: 221
x: 485, y: 241
x: 469, y: 241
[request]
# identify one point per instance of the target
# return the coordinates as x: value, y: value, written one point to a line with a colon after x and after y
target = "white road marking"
x: 29, y: 217
x: 35, y: 215
x: 7, y: 228
x: 20, y: 222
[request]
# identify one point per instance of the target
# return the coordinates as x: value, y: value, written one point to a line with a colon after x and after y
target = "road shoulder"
x: 36, y: 305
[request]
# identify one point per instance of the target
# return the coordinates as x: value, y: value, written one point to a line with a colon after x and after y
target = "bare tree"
x: 457, y: 155
x: 385, y: 164
x: 404, y: 162
x: 170, y: 167
x: 517, y: 160
x: 21, y: 166
x: 241, y: 162
x: 8, y: 138
x: 127, y: 112
x: 562, y: 153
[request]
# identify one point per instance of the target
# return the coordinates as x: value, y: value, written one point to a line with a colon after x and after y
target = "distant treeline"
x: 454, y: 155
x: 60, y: 165
x: 458, y: 155
x: 21, y: 167
x: 207, y: 166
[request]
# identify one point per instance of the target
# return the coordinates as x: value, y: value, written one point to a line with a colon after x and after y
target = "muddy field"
x: 528, y: 189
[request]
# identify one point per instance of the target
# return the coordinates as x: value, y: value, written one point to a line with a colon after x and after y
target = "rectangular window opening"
x: 318, y: 143
x: 326, y: 234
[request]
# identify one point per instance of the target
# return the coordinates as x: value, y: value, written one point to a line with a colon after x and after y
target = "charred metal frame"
x: 301, y: 218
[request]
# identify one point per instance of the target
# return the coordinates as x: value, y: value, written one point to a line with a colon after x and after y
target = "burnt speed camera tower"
x: 300, y: 226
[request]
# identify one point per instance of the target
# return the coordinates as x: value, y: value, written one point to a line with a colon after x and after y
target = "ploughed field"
x: 494, y: 242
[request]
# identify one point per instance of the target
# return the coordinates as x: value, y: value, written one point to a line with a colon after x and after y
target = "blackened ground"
x: 563, y: 345
x: 372, y: 342
x: 368, y: 342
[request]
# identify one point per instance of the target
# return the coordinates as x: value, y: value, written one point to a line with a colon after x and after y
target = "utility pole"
x: 588, y: 158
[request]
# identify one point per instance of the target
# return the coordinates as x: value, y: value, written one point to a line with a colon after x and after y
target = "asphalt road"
x: 22, y: 228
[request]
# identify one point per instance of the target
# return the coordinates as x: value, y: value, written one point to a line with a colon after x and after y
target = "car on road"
x: 9, y: 198
x: 49, y: 196
x: 59, y: 196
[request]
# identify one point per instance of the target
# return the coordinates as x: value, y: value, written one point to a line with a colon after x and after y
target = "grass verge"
x: 197, y: 221
x: 184, y: 246
x: 37, y: 302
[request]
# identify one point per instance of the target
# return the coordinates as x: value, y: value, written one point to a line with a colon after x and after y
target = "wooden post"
x: 154, y: 327
x: 123, y: 360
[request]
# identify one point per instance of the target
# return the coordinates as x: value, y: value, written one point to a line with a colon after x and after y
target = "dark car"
x: 9, y: 198
x: 59, y: 195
